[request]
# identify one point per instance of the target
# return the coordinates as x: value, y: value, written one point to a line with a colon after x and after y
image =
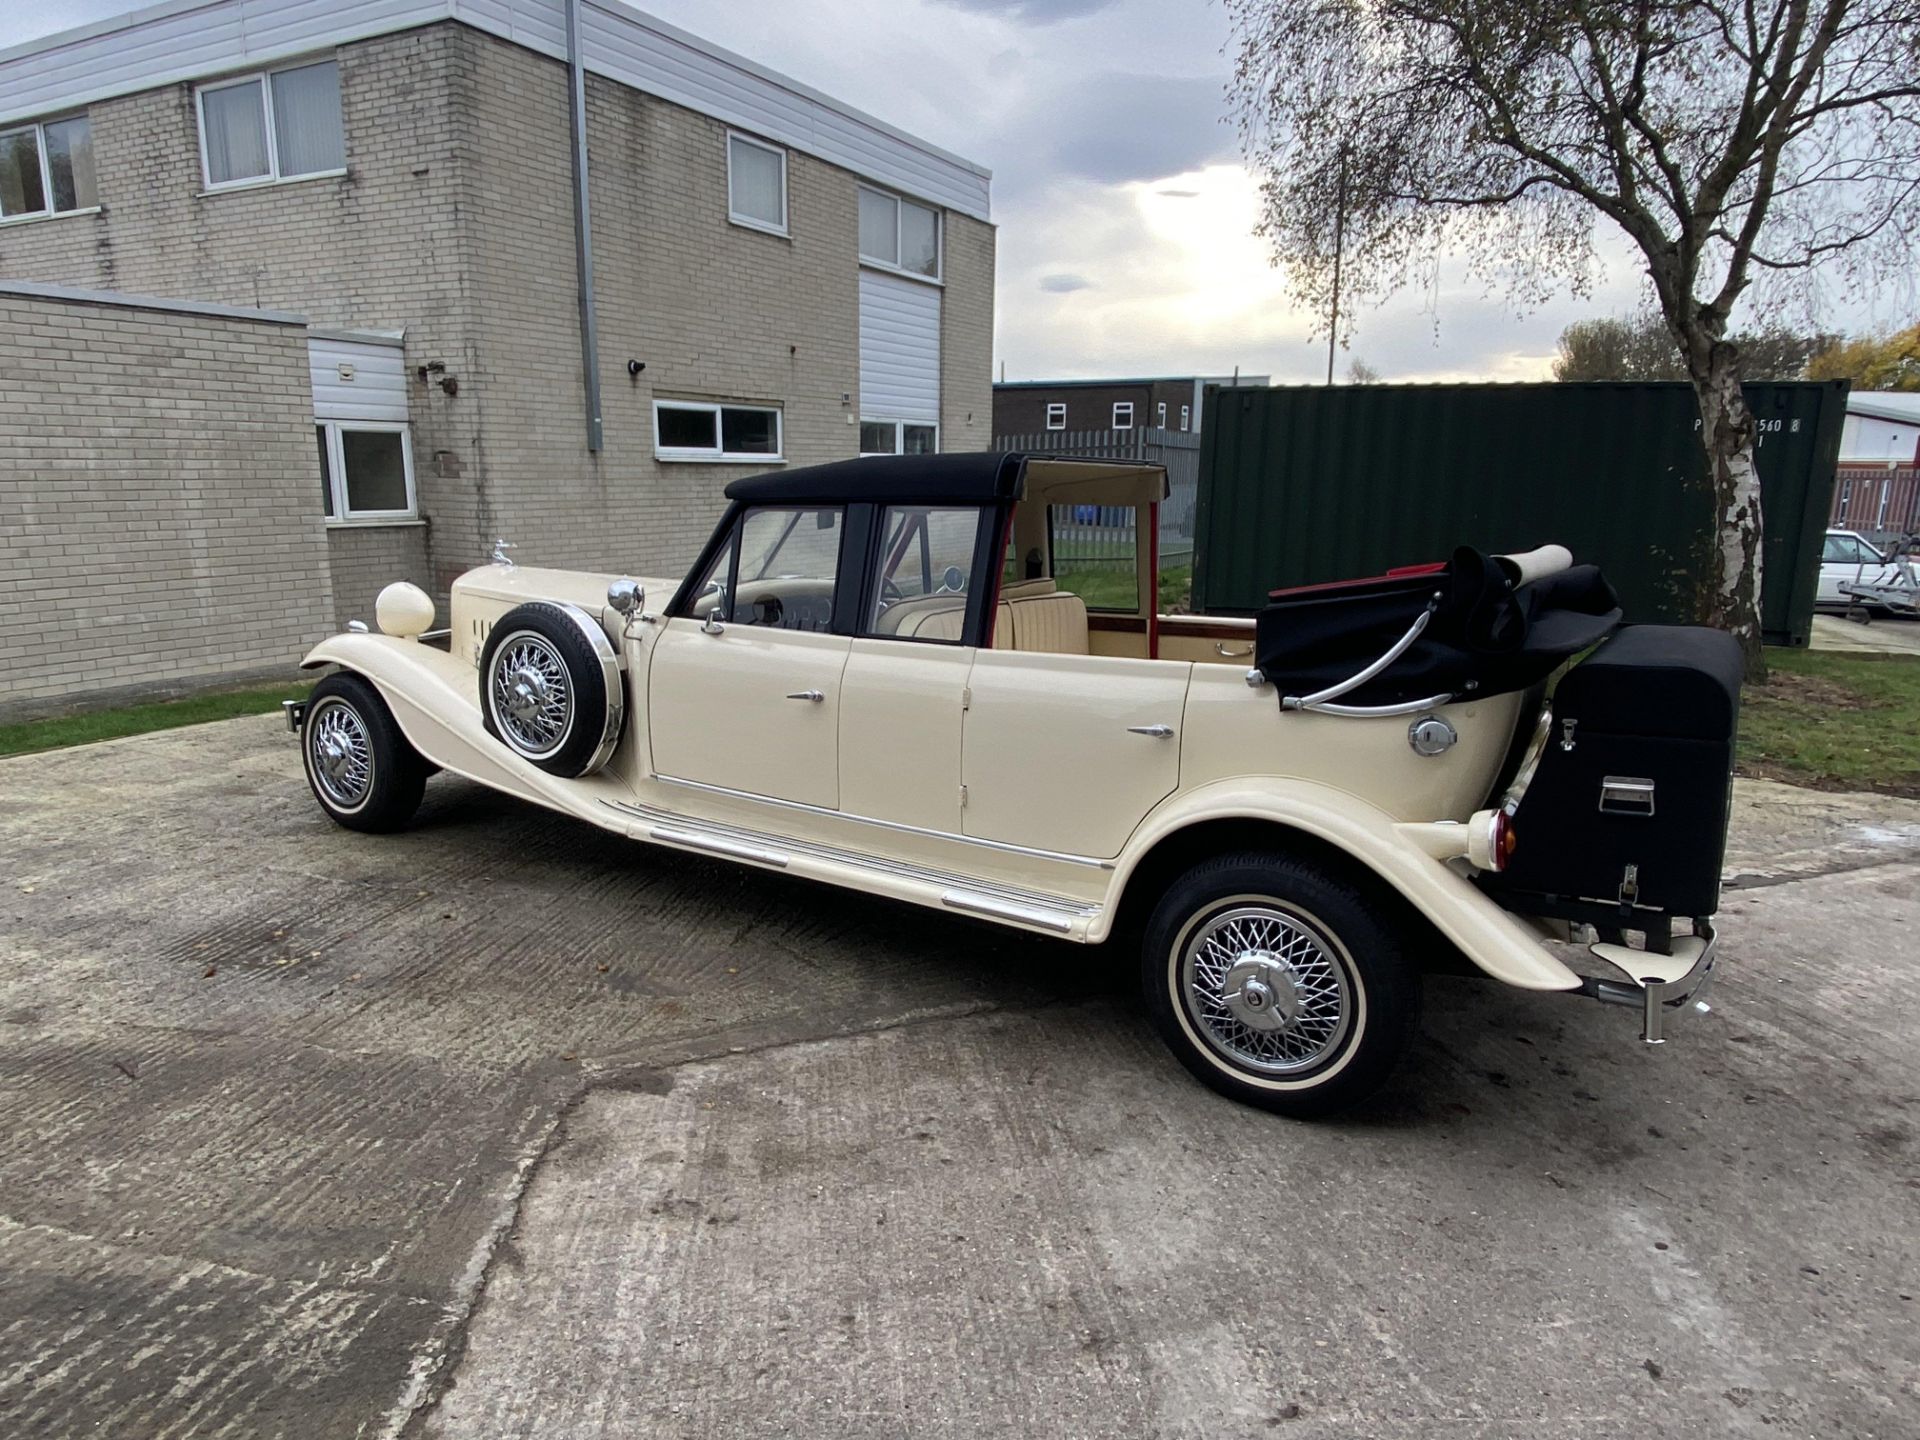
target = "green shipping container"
x: 1301, y: 484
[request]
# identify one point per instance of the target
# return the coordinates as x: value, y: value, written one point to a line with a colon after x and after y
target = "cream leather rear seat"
x: 1036, y: 616
x: 1031, y: 616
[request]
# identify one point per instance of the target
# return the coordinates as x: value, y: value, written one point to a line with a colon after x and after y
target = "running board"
x: 885, y: 875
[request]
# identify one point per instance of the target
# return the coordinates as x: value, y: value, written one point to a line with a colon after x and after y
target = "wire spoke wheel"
x: 532, y: 696
x: 341, y: 752
x: 1266, y: 988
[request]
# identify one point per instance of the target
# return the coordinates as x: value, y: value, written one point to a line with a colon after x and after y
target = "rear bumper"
x: 1659, y: 984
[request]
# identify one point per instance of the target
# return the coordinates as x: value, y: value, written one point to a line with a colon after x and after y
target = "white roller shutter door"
x: 899, y: 349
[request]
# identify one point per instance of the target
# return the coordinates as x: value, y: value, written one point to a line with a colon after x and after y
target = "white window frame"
x: 1160, y: 415
x: 273, y: 175
x: 39, y: 128
x: 750, y: 222
x: 1056, y: 415
x: 874, y: 262
x: 900, y: 433
x: 1186, y: 414
x: 702, y: 455
x: 337, y: 472
x: 1118, y: 406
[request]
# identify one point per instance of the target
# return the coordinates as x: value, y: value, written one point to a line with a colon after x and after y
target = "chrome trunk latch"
x: 1626, y: 795
x: 1566, y: 733
x: 1629, y: 887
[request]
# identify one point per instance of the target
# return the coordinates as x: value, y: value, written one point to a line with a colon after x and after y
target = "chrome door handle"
x: 1225, y: 654
x: 1158, y: 732
x: 814, y: 695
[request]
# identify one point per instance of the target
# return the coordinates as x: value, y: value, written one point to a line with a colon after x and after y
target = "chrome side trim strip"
x: 1089, y: 861
x: 752, y: 844
x: 976, y: 904
x: 718, y: 845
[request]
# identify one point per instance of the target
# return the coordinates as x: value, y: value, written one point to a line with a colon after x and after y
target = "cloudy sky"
x: 1125, y: 218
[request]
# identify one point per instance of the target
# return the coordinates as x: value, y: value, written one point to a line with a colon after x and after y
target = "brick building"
x: 775, y: 278
x: 1031, y: 407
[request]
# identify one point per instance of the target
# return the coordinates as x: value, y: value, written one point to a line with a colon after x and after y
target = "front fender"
x: 1490, y: 937
x: 435, y: 699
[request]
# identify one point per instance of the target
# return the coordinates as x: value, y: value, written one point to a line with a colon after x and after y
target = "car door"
x: 1068, y: 753
x: 743, y: 692
x: 904, y: 694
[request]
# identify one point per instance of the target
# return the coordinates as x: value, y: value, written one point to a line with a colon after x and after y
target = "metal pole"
x: 1339, y: 242
x: 582, y: 231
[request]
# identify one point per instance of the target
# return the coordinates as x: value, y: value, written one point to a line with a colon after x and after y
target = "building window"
x: 700, y: 430
x: 899, y: 234
x: 366, y: 471
x: 1160, y: 415
x: 1185, y: 412
x: 898, y: 437
x: 1123, y: 414
x: 1057, y: 415
x: 276, y: 126
x: 47, y: 169
x: 756, y: 184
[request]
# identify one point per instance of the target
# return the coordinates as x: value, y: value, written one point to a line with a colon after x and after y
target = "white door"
x: 1069, y: 752
x: 753, y: 709
x: 744, y: 693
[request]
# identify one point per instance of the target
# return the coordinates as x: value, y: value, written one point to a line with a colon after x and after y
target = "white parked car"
x: 879, y: 675
x: 1849, y: 558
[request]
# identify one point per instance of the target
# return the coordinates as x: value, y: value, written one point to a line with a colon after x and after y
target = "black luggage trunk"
x: 1624, y: 823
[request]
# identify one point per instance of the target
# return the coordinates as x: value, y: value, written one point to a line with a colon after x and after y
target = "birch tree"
x: 1734, y: 143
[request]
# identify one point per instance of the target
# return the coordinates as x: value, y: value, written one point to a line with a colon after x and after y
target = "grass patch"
x: 1835, y: 722
x: 1114, y: 588
x: 62, y: 730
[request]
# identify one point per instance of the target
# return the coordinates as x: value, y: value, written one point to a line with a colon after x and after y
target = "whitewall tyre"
x: 1279, y: 983
x: 550, y: 688
x: 359, y: 765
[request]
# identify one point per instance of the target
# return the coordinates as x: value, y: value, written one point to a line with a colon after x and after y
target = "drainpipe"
x: 582, y: 232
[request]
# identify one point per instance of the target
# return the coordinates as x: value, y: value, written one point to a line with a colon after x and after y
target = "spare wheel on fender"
x: 550, y: 687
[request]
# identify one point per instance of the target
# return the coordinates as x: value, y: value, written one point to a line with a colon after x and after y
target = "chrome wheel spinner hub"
x: 1260, y: 992
x: 526, y: 693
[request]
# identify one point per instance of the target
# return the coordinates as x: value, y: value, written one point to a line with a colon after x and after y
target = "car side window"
x: 925, y: 570
x: 787, y: 564
x: 1839, y: 550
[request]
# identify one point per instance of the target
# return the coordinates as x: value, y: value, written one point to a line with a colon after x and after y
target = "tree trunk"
x: 1727, y: 432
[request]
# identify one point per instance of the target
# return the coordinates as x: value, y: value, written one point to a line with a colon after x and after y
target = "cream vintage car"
x: 885, y: 674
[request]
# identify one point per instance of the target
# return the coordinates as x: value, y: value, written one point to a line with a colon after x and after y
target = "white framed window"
x: 1057, y: 415
x: 708, y: 430
x: 899, y: 234
x: 756, y: 184
x: 1123, y: 414
x: 277, y: 125
x: 1185, y: 412
x: 366, y: 471
x: 898, y: 437
x: 47, y: 169
x: 1160, y: 415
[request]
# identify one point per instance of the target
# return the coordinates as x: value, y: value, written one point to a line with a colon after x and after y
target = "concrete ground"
x: 504, y: 1127
x: 1883, y: 635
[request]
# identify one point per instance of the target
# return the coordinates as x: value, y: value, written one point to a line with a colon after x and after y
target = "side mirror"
x: 626, y: 596
x: 722, y: 604
x: 954, y: 580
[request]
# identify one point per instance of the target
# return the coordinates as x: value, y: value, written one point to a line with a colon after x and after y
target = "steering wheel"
x: 890, y: 593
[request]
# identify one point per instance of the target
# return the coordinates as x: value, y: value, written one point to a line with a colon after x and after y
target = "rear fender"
x: 1490, y: 937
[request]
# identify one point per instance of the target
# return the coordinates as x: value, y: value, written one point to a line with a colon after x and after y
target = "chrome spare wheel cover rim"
x: 341, y: 754
x: 1266, y: 989
x: 532, y: 698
